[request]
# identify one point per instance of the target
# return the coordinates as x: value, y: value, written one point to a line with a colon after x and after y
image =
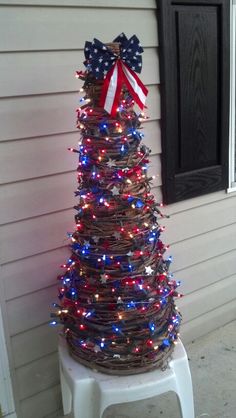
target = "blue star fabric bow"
x: 100, y: 58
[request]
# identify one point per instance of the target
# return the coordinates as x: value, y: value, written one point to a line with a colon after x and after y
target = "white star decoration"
x: 117, y: 235
x: 149, y: 270
x: 130, y: 253
x: 116, y: 356
x: 103, y: 278
x: 111, y: 163
x: 97, y: 348
x: 115, y: 191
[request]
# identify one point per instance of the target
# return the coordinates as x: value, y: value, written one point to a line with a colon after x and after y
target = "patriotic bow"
x: 117, y: 70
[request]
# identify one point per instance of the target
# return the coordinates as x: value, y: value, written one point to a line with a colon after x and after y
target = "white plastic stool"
x: 92, y: 392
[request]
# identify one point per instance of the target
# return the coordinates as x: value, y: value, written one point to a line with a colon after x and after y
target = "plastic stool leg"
x: 66, y: 394
x: 86, y: 399
x: 104, y: 403
x: 184, y: 388
x: 186, y: 404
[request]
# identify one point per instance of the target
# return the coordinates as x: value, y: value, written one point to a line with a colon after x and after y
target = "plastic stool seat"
x: 88, y: 393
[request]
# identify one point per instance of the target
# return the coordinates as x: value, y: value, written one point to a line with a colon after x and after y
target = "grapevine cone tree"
x: 116, y: 294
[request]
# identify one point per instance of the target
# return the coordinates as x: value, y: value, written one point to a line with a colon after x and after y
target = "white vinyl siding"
x: 41, y: 44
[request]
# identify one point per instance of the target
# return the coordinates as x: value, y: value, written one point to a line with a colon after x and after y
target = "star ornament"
x: 115, y: 191
x: 97, y: 348
x: 111, y: 163
x: 117, y: 356
x: 104, y: 278
x: 149, y: 270
x: 117, y: 235
x: 86, y: 243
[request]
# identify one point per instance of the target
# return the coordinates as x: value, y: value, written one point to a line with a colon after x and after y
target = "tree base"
x: 123, y: 368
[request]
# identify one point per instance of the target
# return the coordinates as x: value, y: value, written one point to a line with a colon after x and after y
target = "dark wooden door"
x: 194, y: 67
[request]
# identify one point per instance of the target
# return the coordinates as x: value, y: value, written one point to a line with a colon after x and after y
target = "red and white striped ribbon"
x: 120, y: 74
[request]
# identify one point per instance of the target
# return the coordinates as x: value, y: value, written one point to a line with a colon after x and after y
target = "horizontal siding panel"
x: 34, y: 344
x: 37, y: 235
x: 38, y: 157
x: 208, y: 298
x: 214, y: 319
x: 199, y: 201
x: 38, y: 375
x: 33, y: 273
x: 152, y: 136
x: 41, y: 196
x: 37, y: 197
x: 42, y: 404
x: 39, y: 28
x: 200, y: 220
x: 157, y: 193
x: 154, y: 169
x: 50, y: 114
x: 201, y: 248
x: 53, y: 72
x: 31, y: 310
x: 207, y: 272
x: 38, y: 115
x: 147, y: 4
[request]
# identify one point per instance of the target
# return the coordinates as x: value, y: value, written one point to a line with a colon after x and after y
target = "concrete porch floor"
x: 212, y: 360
